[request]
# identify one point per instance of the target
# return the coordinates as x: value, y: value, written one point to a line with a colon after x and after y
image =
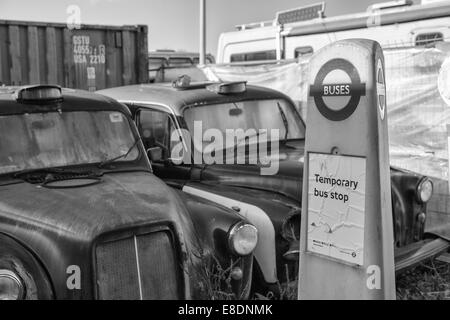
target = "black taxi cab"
x: 263, y: 124
x: 82, y: 216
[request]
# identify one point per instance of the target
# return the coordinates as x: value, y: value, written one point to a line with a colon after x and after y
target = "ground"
x: 428, y: 281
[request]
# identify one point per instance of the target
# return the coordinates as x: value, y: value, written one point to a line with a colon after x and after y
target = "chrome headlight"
x: 11, y: 286
x: 424, y: 190
x: 242, y: 239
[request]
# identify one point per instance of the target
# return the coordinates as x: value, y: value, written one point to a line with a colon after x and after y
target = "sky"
x: 173, y: 24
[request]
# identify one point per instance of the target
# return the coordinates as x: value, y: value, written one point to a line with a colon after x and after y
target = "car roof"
x: 177, y: 99
x: 73, y: 100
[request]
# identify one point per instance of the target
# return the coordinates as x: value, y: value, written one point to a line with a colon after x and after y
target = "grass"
x: 218, y: 280
x: 287, y: 291
x: 428, y: 281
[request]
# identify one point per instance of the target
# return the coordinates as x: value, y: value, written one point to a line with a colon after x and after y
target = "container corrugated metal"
x: 91, y: 58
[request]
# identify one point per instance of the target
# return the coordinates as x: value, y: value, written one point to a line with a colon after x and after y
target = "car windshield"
x: 53, y: 139
x: 254, y: 114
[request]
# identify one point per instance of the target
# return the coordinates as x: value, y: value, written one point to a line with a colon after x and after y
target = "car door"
x: 156, y: 128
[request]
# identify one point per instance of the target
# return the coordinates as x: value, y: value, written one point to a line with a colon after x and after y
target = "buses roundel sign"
x: 337, y: 78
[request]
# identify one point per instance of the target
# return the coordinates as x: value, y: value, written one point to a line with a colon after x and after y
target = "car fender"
x: 17, y: 258
x: 265, y: 252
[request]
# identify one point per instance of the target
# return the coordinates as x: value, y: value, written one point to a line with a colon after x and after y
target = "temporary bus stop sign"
x: 346, y: 246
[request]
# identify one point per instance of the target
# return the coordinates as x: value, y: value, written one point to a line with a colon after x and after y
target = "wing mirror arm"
x: 175, y: 161
x: 155, y: 154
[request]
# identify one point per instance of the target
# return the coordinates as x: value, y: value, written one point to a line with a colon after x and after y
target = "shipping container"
x: 91, y: 58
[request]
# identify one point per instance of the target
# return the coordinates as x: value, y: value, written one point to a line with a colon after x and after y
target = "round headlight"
x: 424, y: 190
x: 242, y: 239
x: 11, y: 287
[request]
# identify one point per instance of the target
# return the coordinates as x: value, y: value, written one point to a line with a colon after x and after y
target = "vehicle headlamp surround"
x: 242, y: 238
x: 424, y: 190
x: 11, y: 285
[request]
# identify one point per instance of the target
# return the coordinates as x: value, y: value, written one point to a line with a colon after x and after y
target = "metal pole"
x: 202, y: 50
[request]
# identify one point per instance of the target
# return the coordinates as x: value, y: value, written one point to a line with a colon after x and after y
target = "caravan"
x: 304, y: 30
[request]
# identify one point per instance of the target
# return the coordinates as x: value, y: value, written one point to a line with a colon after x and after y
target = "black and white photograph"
x: 250, y: 152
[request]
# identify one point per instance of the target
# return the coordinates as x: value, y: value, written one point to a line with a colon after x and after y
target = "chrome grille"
x: 138, y: 267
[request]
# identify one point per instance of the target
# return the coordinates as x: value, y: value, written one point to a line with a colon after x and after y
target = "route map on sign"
x: 336, y: 204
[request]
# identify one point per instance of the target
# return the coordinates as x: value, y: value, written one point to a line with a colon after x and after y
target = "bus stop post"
x: 346, y: 245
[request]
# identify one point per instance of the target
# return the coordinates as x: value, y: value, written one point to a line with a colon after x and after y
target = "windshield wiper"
x: 245, y: 138
x: 285, y: 122
x: 44, y: 175
x: 123, y: 155
x: 24, y: 172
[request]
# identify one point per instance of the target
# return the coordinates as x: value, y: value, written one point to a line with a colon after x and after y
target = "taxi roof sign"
x: 228, y: 87
x: 39, y: 94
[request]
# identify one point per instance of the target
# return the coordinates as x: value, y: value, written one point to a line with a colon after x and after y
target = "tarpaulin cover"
x: 418, y: 105
x: 418, y: 101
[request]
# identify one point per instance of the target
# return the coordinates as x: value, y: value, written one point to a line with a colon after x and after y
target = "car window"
x: 426, y: 39
x: 156, y: 63
x: 301, y: 51
x: 52, y: 139
x: 197, y: 60
x: 254, y: 56
x: 180, y: 62
x: 252, y: 114
x: 155, y: 128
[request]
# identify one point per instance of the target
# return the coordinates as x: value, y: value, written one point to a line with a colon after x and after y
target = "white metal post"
x: 448, y: 150
x: 202, y: 50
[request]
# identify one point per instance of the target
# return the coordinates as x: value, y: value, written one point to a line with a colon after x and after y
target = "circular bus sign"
x: 336, y: 79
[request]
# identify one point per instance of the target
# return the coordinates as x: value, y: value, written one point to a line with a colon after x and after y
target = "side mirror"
x: 155, y: 154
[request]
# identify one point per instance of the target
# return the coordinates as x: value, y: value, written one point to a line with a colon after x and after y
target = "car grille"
x: 138, y: 267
